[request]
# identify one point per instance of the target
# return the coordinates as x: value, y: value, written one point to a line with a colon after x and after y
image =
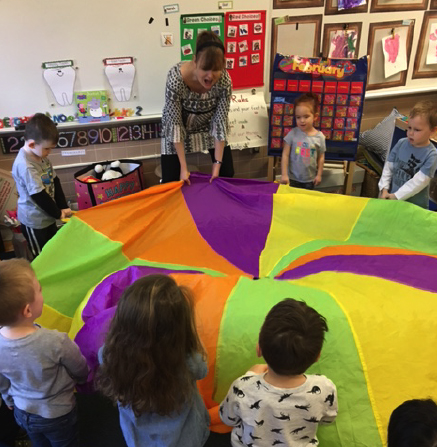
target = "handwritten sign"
x: 248, y: 121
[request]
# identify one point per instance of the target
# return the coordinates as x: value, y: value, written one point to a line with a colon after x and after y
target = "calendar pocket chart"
x: 340, y: 86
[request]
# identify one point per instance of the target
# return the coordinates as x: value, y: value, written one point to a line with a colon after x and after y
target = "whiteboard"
x: 88, y: 31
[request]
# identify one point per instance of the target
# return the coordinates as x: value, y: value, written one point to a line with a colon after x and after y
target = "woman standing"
x: 195, y: 115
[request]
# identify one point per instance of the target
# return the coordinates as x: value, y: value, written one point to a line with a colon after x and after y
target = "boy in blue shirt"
x: 412, y: 162
x: 41, y: 200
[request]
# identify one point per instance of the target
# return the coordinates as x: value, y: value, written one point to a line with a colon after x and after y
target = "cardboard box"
x: 8, y: 200
x: 333, y: 180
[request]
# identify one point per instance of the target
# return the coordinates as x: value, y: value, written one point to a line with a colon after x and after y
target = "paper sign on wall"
x: 60, y: 76
x: 395, y: 52
x: 245, y: 39
x: 120, y: 72
x: 248, y: 121
x: 194, y: 24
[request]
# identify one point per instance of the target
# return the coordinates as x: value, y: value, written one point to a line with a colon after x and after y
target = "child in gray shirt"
x: 304, y: 149
x: 38, y: 367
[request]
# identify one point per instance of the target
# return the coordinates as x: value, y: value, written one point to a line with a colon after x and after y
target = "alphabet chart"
x: 340, y: 85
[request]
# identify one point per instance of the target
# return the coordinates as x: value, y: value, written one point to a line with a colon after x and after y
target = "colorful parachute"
x: 369, y: 266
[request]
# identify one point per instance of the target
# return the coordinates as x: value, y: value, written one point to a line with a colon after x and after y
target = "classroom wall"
x: 89, y: 30
x: 247, y: 163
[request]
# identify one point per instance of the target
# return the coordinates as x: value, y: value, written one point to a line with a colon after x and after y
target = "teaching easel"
x: 348, y: 166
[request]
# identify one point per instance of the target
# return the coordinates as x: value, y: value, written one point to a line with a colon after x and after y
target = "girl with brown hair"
x: 150, y: 362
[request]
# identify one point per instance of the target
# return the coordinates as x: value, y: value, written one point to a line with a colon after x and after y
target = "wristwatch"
x: 217, y: 162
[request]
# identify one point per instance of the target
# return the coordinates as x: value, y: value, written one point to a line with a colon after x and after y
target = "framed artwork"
x: 398, y: 5
x: 341, y: 40
x: 377, y: 33
x: 284, y: 4
x: 433, y: 4
x: 425, y: 64
x: 296, y: 35
x: 331, y: 8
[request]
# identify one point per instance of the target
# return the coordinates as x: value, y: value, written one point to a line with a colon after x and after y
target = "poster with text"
x: 340, y: 86
x: 245, y: 41
x: 248, y: 121
x: 192, y: 25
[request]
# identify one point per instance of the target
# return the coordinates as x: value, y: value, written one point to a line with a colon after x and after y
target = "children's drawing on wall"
x: 431, y: 56
x: 343, y: 44
x: 232, y: 31
x: 121, y: 74
x: 188, y: 34
x: 60, y: 76
x: 349, y: 4
x: 394, y: 47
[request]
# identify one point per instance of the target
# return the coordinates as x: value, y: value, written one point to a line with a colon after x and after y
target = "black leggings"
x: 37, y: 238
x: 171, y: 168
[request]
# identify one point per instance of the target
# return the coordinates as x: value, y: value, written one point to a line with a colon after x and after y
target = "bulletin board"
x: 377, y: 32
x: 296, y: 35
x: 194, y: 24
x: 245, y: 47
x: 340, y: 85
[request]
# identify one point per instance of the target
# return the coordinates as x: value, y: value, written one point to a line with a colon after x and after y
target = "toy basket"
x: 370, y: 183
x: 92, y: 194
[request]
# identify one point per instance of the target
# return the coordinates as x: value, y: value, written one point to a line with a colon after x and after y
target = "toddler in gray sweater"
x: 38, y: 367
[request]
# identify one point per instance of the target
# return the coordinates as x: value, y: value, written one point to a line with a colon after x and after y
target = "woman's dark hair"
x: 152, y: 334
x: 291, y: 337
x: 210, y: 52
x: 308, y: 98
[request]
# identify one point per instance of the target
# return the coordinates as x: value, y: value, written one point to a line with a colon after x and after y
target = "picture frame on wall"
x: 286, y: 4
x: 330, y: 30
x: 297, y: 35
x: 331, y: 8
x: 398, y: 5
x: 421, y: 68
x: 377, y: 31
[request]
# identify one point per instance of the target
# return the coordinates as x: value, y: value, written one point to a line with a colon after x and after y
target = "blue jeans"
x: 43, y: 432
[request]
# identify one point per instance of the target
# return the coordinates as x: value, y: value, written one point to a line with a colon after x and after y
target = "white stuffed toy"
x: 112, y: 171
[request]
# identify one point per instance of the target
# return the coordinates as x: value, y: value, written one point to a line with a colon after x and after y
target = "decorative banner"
x: 343, y: 44
x: 431, y: 56
x: 245, y: 39
x: 340, y: 85
x: 79, y: 136
x: 349, y: 4
x: 60, y: 76
x: 248, y: 121
x: 394, y: 48
x: 192, y: 25
x: 120, y: 72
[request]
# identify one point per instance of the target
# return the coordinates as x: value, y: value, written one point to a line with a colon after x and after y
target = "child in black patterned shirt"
x: 277, y: 403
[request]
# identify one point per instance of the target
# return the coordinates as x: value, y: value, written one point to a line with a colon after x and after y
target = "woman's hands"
x: 215, y: 171
x: 185, y: 176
